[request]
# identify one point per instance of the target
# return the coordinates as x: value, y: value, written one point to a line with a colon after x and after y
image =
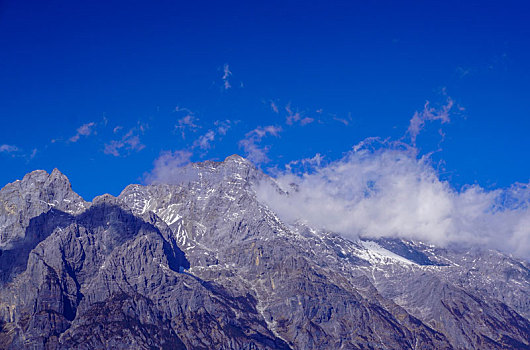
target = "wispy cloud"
x: 223, y: 126
x: 274, y: 107
x: 226, y: 74
x: 188, y: 122
x: 204, y: 141
x: 462, y: 72
x: 8, y: 148
x: 16, y: 152
x: 168, y: 167
x: 292, y: 116
x: 345, y: 121
x: 84, y: 130
x: 129, y: 142
x: 384, y: 189
x: 250, y: 143
x: 296, y: 117
x: 306, y: 120
x: 183, y: 109
x: 304, y: 165
x: 417, y: 122
x: 341, y: 120
x: 33, y: 154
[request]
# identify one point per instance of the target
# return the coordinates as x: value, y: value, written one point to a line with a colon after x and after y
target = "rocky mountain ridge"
x: 203, y: 264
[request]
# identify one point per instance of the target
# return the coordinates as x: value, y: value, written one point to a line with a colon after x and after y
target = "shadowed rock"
x: 202, y: 264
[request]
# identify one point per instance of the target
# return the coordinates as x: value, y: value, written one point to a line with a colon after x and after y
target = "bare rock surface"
x: 203, y: 264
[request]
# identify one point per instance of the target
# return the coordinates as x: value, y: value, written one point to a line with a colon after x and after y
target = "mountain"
x: 203, y: 264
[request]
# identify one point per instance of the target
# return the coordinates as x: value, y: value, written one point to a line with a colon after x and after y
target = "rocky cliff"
x: 203, y: 264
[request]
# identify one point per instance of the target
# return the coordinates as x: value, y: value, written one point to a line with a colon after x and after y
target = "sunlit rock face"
x: 201, y: 263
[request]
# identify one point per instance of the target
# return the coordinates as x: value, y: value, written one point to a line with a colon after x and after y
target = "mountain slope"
x: 204, y: 264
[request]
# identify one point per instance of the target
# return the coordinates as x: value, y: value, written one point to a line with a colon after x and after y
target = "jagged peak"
x: 43, y: 175
x: 35, y: 174
x: 57, y: 173
x: 106, y: 199
x: 233, y: 159
x: 231, y: 165
x: 129, y: 188
x: 236, y: 158
x: 40, y: 179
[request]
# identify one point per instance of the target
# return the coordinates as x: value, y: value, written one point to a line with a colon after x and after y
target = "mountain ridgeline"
x: 203, y: 264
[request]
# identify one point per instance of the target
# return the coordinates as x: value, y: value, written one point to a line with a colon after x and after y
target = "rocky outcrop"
x: 203, y: 264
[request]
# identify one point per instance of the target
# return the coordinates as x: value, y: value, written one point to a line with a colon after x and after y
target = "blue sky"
x: 102, y: 89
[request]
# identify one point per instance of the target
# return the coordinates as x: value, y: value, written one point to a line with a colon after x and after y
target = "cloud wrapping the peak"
x: 169, y: 167
x: 388, y: 191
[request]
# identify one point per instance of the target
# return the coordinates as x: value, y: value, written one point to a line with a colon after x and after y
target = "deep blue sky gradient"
x: 373, y: 63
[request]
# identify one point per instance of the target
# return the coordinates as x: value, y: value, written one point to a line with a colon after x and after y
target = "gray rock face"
x: 202, y: 264
x: 37, y: 193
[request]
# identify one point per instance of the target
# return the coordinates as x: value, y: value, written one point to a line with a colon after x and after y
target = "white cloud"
x: 306, y: 120
x: 128, y: 143
x: 462, y: 72
x: 292, y: 117
x: 383, y: 189
x: 8, y: 148
x: 84, y: 130
x: 341, y: 120
x: 16, y: 152
x: 204, y: 141
x: 226, y: 74
x: 274, y: 107
x: 306, y: 164
x: 295, y: 117
x: 223, y: 126
x: 169, y: 167
x: 417, y: 122
x: 183, y: 109
x: 250, y: 143
x: 188, y: 122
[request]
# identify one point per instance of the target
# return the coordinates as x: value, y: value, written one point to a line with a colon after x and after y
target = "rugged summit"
x: 203, y: 264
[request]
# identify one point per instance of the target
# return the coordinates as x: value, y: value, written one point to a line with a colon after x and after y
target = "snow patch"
x: 374, y: 253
